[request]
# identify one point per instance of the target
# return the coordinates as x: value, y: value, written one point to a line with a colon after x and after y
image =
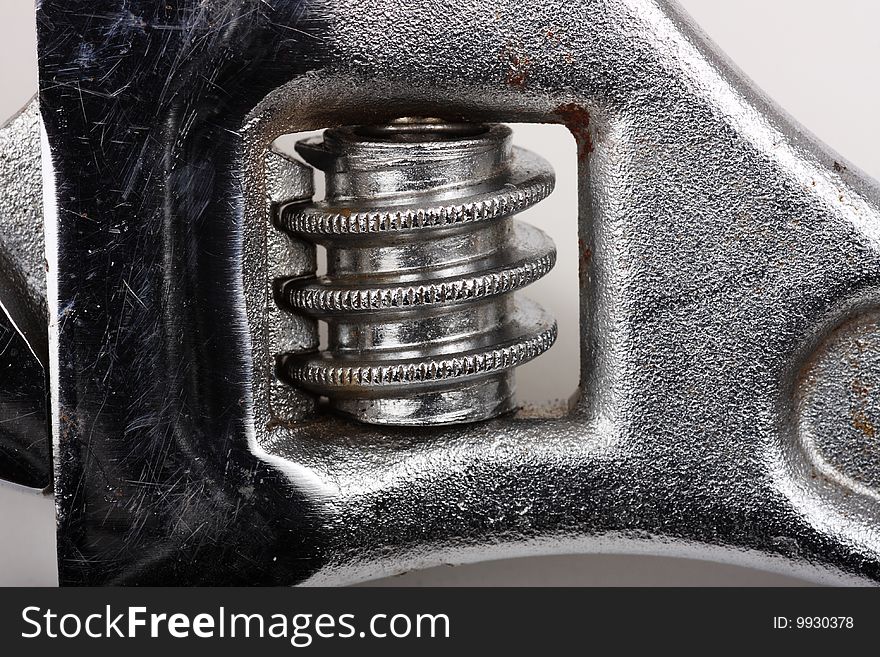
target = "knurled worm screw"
x: 423, y: 258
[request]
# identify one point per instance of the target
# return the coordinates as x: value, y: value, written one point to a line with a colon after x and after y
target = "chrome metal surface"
x: 729, y: 278
x: 422, y: 260
x: 25, y: 445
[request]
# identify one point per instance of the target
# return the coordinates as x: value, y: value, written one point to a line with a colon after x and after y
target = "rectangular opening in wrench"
x: 544, y: 385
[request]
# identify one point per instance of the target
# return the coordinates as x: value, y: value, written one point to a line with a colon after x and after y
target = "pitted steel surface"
x: 25, y: 447
x: 729, y: 284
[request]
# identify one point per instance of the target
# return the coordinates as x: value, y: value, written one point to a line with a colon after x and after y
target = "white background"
x: 817, y: 59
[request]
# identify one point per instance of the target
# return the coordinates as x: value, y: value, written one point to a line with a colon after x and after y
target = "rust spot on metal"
x: 66, y: 425
x: 586, y: 254
x: 518, y: 69
x: 517, y: 79
x: 577, y: 120
x: 860, y: 389
x: 585, y: 251
x: 861, y: 422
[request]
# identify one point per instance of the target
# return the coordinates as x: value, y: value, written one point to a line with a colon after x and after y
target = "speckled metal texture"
x: 25, y: 445
x: 729, y: 267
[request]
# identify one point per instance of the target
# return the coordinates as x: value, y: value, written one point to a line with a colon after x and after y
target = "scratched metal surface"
x: 730, y: 266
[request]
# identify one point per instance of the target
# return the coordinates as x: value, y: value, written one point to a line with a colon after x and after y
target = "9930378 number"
x: 823, y: 622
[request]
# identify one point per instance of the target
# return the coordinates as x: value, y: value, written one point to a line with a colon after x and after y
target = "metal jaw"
x: 729, y: 291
